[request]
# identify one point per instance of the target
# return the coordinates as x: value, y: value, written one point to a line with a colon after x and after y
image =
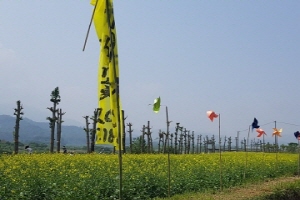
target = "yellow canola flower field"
x: 145, y: 176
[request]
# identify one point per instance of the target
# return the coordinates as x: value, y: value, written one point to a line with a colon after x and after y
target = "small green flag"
x: 156, y: 105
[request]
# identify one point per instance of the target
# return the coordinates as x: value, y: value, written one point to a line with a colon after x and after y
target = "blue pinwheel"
x: 297, y: 135
x: 255, y: 124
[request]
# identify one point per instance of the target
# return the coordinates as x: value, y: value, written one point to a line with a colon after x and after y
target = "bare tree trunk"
x: 130, y: 136
x: 52, y: 126
x: 161, y: 140
x: 142, y: 139
x: 57, y: 134
x: 93, y: 132
x: 185, y: 142
x: 58, y: 130
x: 87, y: 131
x: 148, y: 137
x: 181, y: 142
x: 18, y: 113
x: 55, y: 98
x: 189, y: 143
x: 124, y: 133
x: 193, y: 142
x: 176, y: 138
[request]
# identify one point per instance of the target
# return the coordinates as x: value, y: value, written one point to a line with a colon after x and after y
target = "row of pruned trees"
x: 54, y: 121
x: 91, y: 132
x: 183, y: 141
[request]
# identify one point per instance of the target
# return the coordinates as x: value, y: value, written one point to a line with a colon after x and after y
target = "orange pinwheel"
x: 211, y: 115
x: 260, y: 132
x: 277, y: 132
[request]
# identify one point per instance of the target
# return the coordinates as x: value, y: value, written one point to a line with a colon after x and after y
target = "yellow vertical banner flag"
x: 109, y: 120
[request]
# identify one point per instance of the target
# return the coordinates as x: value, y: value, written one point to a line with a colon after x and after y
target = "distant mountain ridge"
x: 31, y: 131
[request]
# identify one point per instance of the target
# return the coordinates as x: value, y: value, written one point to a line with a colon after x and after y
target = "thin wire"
x: 260, y: 125
x: 267, y: 123
x: 243, y: 130
x: 288, y: 123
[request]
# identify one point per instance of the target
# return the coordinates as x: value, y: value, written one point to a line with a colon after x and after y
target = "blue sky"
x: 238, y: 58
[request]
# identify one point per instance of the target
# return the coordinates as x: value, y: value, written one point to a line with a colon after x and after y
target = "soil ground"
x: 245, y: 192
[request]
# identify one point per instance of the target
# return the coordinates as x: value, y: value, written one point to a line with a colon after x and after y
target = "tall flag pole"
x: 212, y: 115
x: 297, y: 135
x: 254, y: 125
x: 276, y: 142
x: 298, y: 157
x: 246, y: 163
x: 169, y: 161
x: 261, y: 132
x: 109, y: 122
x: 276, y: 133
x: 156, y: 108
x: 88, y: 31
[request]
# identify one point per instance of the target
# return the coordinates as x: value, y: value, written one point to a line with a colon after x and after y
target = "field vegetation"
x: 145, y: 176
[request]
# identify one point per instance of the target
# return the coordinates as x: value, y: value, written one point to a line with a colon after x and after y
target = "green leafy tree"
x: 292, y: 147
x: 283, y: 147
x: 138, y: 145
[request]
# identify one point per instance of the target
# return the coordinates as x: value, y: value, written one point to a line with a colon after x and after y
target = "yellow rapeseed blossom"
x: 96, y: 176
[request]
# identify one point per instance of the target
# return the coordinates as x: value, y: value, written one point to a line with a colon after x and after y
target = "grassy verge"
x: 283, y: 191
x: 280, y: 188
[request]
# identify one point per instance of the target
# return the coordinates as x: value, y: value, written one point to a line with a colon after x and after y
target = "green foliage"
x: 292, y: 147
x: 39, y: 147
x: 55, y: 97
x: 6, y: 147
x: 288, y: 191
x: 139, y: 145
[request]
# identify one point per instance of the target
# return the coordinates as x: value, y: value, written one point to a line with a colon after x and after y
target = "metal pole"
x: 238, y: 140
x: 221, y: 186
x: 247, y: 152
x: 169, y: 168
x: 276, y: 146
x: 276, y: 141
x: 264, y: 143
x: 108, y: 9
x: 298, y: 157
x: 88, y: 31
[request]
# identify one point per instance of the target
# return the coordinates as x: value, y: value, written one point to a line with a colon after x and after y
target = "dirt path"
x: 245, y: 192
x: 253, y: 190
